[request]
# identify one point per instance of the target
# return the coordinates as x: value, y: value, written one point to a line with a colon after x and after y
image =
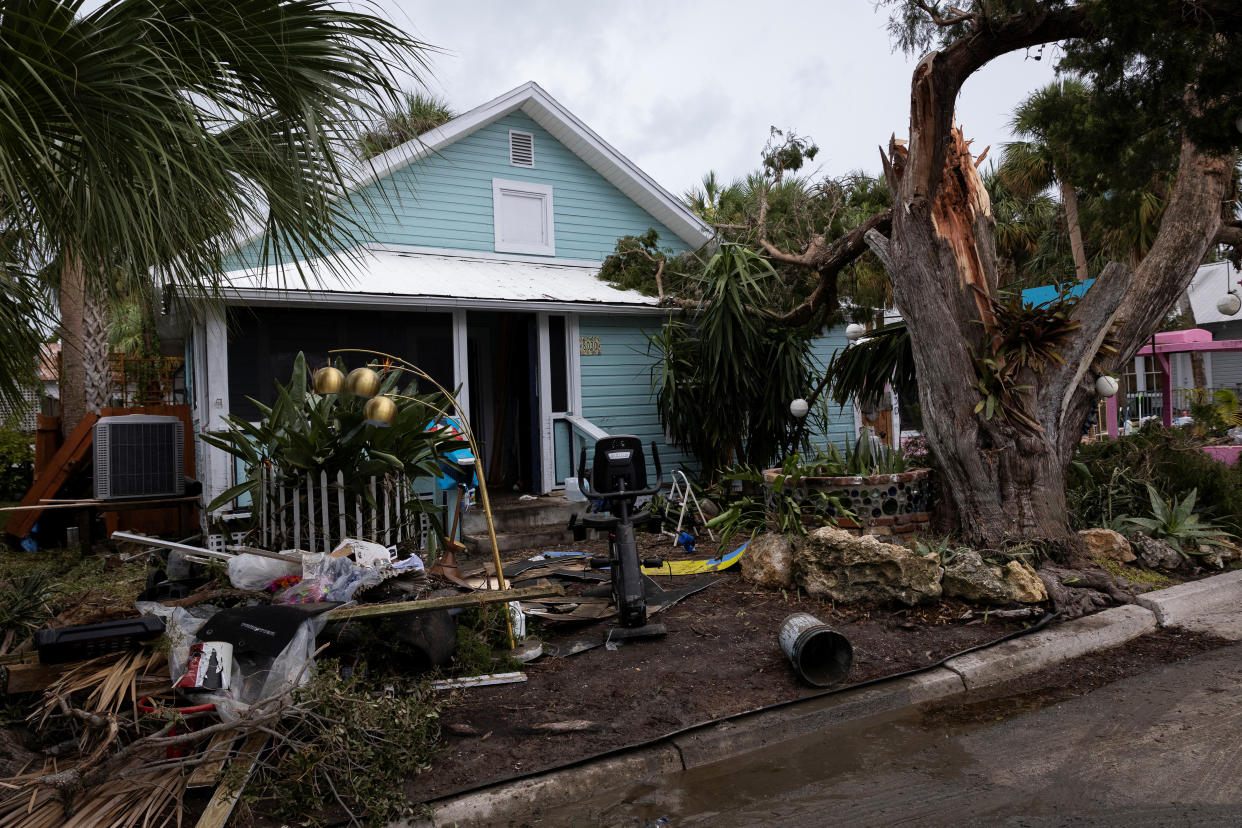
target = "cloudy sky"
x: 685, y: 87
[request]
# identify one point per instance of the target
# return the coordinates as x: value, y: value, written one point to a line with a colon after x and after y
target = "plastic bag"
x: 255, y: 572
x: 181, y: 625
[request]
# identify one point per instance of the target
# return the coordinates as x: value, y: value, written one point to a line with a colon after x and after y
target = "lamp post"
x: 381, y: 411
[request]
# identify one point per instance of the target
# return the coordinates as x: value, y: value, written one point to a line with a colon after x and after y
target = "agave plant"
x: 1177, y: 523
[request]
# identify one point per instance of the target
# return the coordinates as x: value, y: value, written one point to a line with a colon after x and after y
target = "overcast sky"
x: 686, y: 87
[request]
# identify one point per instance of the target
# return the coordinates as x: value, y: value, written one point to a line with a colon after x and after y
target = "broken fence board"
x: 216, y: 753
x: 447, y: 602
x: 224, y: 800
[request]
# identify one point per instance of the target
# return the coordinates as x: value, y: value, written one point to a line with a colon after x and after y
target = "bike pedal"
x: 600, y: 563
x: 653, y: 563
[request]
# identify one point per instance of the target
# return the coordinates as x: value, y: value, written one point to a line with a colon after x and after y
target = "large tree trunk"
x: 85, y: 372
x: 1005, y: 475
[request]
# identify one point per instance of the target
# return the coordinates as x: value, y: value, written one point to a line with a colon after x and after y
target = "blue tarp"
x: 1048, y: 293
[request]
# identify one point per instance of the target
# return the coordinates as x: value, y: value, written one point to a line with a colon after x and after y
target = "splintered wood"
x: 957, y: 206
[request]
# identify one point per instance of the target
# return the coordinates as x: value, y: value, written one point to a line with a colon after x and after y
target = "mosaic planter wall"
x: 883, y: 504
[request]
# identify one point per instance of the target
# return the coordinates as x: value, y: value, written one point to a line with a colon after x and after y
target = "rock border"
x: 718, y: 741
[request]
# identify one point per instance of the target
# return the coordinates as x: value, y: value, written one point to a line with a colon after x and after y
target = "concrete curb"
x: 1182, y: 604
x: 1177, y: 606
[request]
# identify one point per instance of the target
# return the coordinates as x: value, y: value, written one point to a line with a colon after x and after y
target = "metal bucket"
x: 820, y: 655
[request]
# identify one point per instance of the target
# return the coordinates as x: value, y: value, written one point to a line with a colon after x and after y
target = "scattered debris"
x: 478, y: 681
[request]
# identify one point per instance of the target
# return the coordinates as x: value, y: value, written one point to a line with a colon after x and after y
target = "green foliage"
x: 636, y: 260
x: 353, y: 743
x: 865, y: 369
x: 25, y: 605
x: 419, y: 113
x: 1109, y: 479
x: 867, y: 457
x: 141, y: 136
x: 1175, y: 522
x: 303, y: 432
x: 16, y: 464
x: 482, y: 632
x: 1214, y: 412
x: 724, y: 379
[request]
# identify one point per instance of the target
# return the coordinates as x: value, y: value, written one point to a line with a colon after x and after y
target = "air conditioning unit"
x: 139, y: 455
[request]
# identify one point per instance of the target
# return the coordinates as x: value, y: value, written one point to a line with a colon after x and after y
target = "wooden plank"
x: 224, y: 800
x: 59, y: 468
x: 473, y: 599
x: 217, y: 751
x: 34, y: 678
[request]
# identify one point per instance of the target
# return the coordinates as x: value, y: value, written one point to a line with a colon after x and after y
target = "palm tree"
x: 420, y: 113
x: 142, y: 139
x: 1049, y: 119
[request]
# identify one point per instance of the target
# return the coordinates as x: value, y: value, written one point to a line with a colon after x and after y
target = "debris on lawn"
x: 257, y: 668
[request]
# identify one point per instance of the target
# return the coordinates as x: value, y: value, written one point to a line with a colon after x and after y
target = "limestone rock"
x: 833, y: 563
x: 1108, y: 544
x: 1025, y: 587
x: 1156, y: 553
x: 768, y: 561
x: 966, y: 576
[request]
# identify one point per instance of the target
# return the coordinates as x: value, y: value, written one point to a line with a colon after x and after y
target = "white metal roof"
x: 411, y: 279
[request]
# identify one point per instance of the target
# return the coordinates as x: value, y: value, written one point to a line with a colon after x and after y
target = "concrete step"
x: 478, y: 545
x: 512, y: 515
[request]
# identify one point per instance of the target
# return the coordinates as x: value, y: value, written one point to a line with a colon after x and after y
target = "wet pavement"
x: 1160, y: 748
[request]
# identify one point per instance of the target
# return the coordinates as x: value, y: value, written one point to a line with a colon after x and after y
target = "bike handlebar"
x: 626, y: 493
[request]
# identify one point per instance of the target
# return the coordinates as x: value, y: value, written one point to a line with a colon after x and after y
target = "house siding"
x: 617, y: 395
x: 839, y: 428
x: 445, y: 199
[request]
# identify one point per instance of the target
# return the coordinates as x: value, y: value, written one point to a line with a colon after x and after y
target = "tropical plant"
x: 724, y: 377
x: 304, y: 433
x: 1214, y: 412
x: 16, y: 463
x: 869, y: 457
x: 144, y: 140
x: 1051, y: 121
x: 784, y: 504
x: 1176, y: 523
x: 420, y: 113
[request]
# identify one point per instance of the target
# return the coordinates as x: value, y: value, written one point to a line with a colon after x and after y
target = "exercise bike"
x: 619, y: 478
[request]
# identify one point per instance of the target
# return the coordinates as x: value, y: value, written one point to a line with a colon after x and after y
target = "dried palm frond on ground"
x: 152, y: 800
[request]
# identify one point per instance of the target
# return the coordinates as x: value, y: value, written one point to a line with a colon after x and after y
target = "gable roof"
x: 576, y: 136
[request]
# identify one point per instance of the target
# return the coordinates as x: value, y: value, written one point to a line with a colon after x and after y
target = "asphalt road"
x: 1160, y: 748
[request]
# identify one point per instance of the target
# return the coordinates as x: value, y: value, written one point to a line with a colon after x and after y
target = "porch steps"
x: 521, y: 524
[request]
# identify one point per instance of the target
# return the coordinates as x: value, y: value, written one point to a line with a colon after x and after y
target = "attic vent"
x: 521, y: 149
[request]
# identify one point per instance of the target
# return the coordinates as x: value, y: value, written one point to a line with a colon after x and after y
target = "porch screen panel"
x: 263, y: 343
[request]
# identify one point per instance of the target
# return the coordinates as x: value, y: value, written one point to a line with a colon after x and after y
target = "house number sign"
x: 590, y: 346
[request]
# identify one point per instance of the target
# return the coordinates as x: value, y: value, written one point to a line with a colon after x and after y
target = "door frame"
x: 573, y: 378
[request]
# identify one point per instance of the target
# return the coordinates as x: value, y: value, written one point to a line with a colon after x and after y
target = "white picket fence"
x: 317, y: 512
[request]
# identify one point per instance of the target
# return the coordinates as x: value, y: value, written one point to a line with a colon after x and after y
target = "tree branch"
x: 828, y: 260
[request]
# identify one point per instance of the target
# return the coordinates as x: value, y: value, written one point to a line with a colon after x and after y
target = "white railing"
x: 317, y: 512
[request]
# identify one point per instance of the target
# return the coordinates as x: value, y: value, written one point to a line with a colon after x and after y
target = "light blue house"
x: 487, y: 235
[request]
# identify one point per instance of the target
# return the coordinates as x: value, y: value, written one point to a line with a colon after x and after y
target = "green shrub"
x: 1109, y: 479
x: 16, y: 464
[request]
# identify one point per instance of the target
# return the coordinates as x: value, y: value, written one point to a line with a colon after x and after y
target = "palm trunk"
x: 85, y: 372
x: 1070, y: 198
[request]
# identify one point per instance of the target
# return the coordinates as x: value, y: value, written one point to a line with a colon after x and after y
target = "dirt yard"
x: 720, y: 657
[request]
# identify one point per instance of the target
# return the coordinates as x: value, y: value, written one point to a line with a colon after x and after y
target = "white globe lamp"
x: 1106, y: 386
x: 1229, y: 304
x: 799, y: 408
x: 855, y: 331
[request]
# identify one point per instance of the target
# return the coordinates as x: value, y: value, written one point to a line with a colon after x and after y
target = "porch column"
x: 218, y: 471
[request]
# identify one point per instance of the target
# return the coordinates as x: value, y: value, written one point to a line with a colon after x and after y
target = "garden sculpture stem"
x: 403, y: 365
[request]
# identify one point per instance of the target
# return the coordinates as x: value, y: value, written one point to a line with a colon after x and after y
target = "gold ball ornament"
x: 380, y: 411
x: 362, y: 382
x: 328, y: 381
